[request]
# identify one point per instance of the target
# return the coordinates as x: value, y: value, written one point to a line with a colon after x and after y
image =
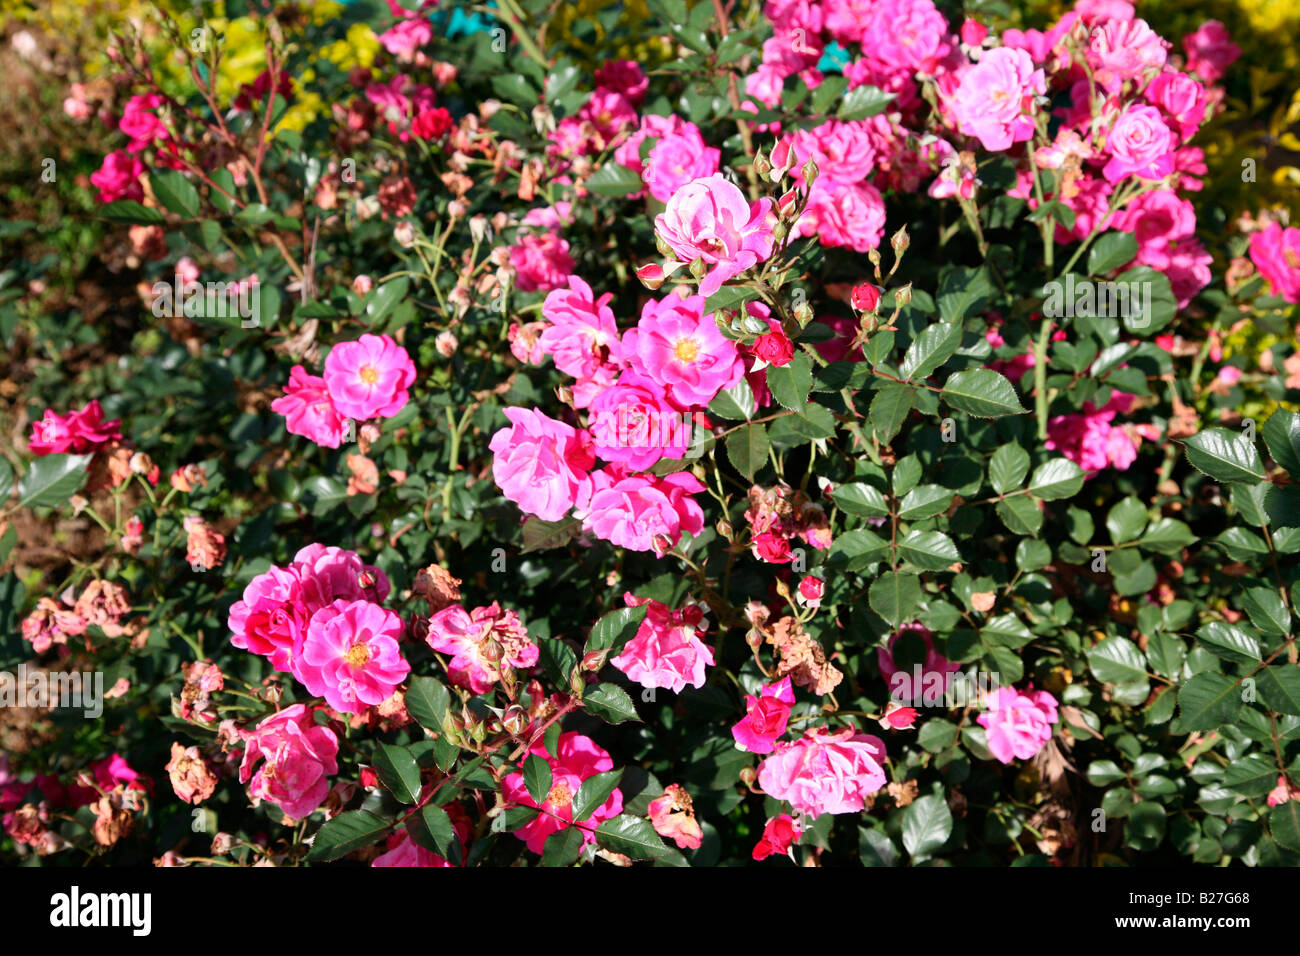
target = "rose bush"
x: 810, y: 436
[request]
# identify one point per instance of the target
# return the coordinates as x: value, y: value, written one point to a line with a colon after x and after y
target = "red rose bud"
x: 652, y: 276
x: 593, y: 661
x: 774, y: 348
x: 865, y: 297
x: 369, y: 779
x: 786, y: 205
x: 973, y: 33
x: 811, y: 590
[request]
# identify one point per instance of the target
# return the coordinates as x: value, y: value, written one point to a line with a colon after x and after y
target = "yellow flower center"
x: 560, y: 795
x: 358, y: 655
x: 686, y: 350
x: 369, y: 374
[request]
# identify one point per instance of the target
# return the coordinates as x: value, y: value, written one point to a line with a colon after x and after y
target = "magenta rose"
x: 1018, y: 723
x: 369, y: 378
x: 576, y: 759
x: 309, y: 411
x: 643, y: 512
x: 298, y: 756
x: 676, y: 344
x: 77, y: 432
x: 633, y: 422
x: 1140, y: 144
x: 350, y: 655
x: 765, y: 718
x: 541, y: 464
x: 541, y: 263
x: 1276, y: 254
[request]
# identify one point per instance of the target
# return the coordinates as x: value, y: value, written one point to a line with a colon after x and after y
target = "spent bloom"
x: 481, y: 643
x: 295, y: 757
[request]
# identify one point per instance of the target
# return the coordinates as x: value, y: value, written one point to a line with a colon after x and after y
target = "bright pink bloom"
x: 912, y: 685
x: 298, y: 754
x: 623, y: 76
x: 309, y: 411
x: 1090, y: 440
x: 466, y: 636
x: 541, y: 464
x: 811, y: 591
x: 1276, y: 254
x: 1018, y: 723
x: 119, y: 177
x: 77, y: 432
x: 577, y: 758
x: 679, y: 346
x: 779, y: 835
x: 765, y: 717
x: 898, y: 717
x: 825, y: 771
x: 1210, y: 51
x: 140, y: 122
x: 369, y: 378
x: 844, y: 215
x: 643, y: 512
x: 844, y: 152
x: 1156, y: 220
x: 1182, y: 99
x: 271, y: 619
x: 541, y: 263
x: 678, y: 158
x: 582, y: 335
x: 404, y: 38
x: 666, y: 650
x: 633, y: 422
x: 330, y: 574
x: 995, y: 101
x: 1121, y: 50
x: 1140, y: 144
x: 350, y: 655
x: 710, y: 219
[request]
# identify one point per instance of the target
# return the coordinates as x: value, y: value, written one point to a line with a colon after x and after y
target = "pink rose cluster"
x: 825, y: 771
x: 321, y: 619
x: 1276, y: 254
x: 77, y: 432
x: 482, y: 644
x: 1018, y: 723
x: 368, y: 378
x: 642, y: 391
x: 1091, y: 440
x: 287, y: 758
x: 667, y: 650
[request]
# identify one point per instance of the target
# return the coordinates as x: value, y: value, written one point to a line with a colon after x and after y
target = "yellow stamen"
x: 686, y: 350
x: 358, y: 655
x: 369, y: 374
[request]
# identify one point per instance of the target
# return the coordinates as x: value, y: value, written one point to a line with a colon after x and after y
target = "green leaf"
x: 615, y: 629
x: 1058, y: 478
x: 52, y: 480
x: 854, y: 550
x: 924, y: 502
x: 1225, y: 455
x: 132, y: 212
x: 427, y: 700
x: 1282, y: 436
x: 929, y: 550
x: 631, y: 836
x: 927, y: 824
x: 1110, y: 251
x: 563, y: 847
x: 1126, y: 519
x: 875, y: 848
x: 615, y: 181
x: 345, y: 833
x: 593, y: 792
x: 1267, y: 612
x: 1284, y: 825
x: 432, y: 829
x: 860, y: 499
x: 398, y: 771
x: 1102, y: 773
x: 1021, y: 514
x: 895, y: 596
x: 735, y: 404
x: 747, y: 449
x: 6, y: 482
x: 1008, y: 467
x: 537, y: 778
x: 1207, y: 701
x: 542, y: 535
x: 889, y: 409
x: 864, y: 101
x: 1006, y: 630
x: 175, y: 192
x: 791, y: 383
x: 983, y: 393
x: 929, y: 350
x: 1168, y: 536
x: 1279, y: 688
x: 610, y: 703
x: 1117, y: 660
x: 384, y: 299
x: 516, y: 89
x: 1229, y: 642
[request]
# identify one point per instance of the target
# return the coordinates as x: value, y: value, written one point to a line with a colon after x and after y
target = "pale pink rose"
x: 839, y: 215
x: 541, y: 262
x: 710, y: 219
x: 404, y: 38
x: 1140, y: 144
x: 678, y: 158
x: 666, y: 650
x: 652, y: 127
x: 76, y: 105
x: 1284, y: 791
x: 1182, y: 99
x: 1210, y: 51
x: 1276, y: 254
x: 466, y: 634
x: 1120, y: 50
x: 576, y: 759
x: 582, y: 335
x: 369, y: 378
x: 897, y: 36
x: 298, y: 756
x: 309, y: 411
x: 643, y: 512
x: 995, y: 101
x: 76, y: 432
x: 633, y: 422
x: 541, y: 464
x: 765, y: 718
x: 350, y: 655
x: 825, y: 771
x: 1018, y: 723
x: 907, y: 684
x: 676, y: 344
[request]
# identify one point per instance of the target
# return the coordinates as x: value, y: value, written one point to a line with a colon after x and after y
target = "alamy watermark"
x: 209, y: 300
x: 934, y: 688
x: 41, y: 689
x: 1130, y: 301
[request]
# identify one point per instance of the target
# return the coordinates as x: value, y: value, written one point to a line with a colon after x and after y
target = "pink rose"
x: 404, y: 38
x: 678, y: 158
x: 623, y: 76
x: 634, y: 423
x: 119, y: 177
x: 76, y: 432
x: 779, y: 834
x: 466, y: 634
x: 576, y: 759
x: 1182, y: 99
x: 643, y: 512
x: 330, y: 574
x: 811, y: 591
x: 140, y: 122
x: 582, y: 335
x: 1210, y: 51
x: 1140, y: 144
x: 271, y: 619
x: 1018, y: 724
x: 995, y: 101
x: 842, y: 215
x: 1121, y: 50
x: 935, y: 672
x: 541, y: 464
x: 369, y: 378
x: 844, y: 152
x: 350, y: 655
x: 676, y: 344
x: 541, y: 262
x: 298, y: 754
x: 309, y: 411
x: 1156, y: 220
x: 710, y: 219
x: 666, y: 650
x: 765, y: 717
x: 825, y: 771
x: 1276, y: 254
